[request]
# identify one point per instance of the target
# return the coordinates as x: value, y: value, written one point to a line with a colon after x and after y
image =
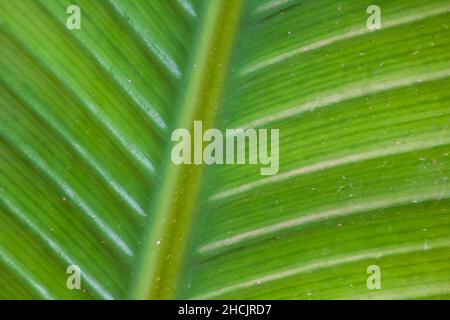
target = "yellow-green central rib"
x: 171, y: 215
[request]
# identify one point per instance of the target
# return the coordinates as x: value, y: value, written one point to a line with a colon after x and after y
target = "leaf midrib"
x: 173, y: 209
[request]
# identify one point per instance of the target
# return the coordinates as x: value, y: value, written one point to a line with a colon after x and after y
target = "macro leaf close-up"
x: 119, y: 165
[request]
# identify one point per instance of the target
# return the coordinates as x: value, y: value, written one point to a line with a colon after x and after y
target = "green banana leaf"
x: 87, y: 179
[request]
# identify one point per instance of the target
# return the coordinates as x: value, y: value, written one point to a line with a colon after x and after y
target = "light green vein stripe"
x: 325, y: 263
x: 58, y: 251
x: 386, y: 201
x: 187, y: 6
x: 157, y: 52
x: 71, y: 194
x: 39, y: 111
x: 394, y: 149
x: 409, y: 18
x: 91, y: 107
x: 356, y: 90
x: 143, y: 106
x: 24, y: 275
